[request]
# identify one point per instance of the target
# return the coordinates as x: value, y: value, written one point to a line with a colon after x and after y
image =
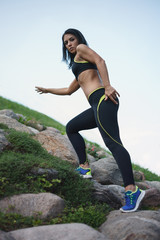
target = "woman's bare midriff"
x: 89, y: 81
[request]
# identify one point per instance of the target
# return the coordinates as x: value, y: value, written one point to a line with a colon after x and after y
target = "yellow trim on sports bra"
x: 80, y: 61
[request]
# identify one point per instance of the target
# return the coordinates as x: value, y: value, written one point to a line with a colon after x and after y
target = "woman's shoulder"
x: 82, y: 47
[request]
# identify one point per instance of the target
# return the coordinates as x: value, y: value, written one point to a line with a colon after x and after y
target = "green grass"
x: 149, y: 176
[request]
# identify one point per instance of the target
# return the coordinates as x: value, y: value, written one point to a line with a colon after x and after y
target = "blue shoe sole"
x: 141, y: 196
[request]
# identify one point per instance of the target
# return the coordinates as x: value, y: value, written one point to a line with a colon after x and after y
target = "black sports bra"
x: 80, y: 66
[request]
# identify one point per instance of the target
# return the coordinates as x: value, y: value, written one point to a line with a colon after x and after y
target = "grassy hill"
x: 25, y: 154
x: 31, y: 114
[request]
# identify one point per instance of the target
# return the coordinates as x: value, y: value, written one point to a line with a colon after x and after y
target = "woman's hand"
x: 41, y: 90
x: 111, y: 93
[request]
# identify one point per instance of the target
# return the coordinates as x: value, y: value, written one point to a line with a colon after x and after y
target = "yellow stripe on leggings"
x: 94, y: 91
x: 101, y: 99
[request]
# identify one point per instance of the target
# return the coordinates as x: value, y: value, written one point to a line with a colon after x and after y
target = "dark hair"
x: 67, y: 56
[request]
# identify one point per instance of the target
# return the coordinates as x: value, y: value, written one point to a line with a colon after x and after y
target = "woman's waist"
x: 95, y: 95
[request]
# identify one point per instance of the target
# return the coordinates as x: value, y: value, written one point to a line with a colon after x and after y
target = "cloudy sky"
x: 125, y: 33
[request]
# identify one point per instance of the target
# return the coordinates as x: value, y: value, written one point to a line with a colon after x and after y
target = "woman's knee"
x: 70, y: 127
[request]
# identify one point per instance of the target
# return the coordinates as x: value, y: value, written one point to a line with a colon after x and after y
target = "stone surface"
x: 34, y: 131
x: 6, y: 236
x: 3, y: 141
x: 57, y: 144
x: 49, y: 173
x: 90, y: 158
x: 45, y: 204
x: 106, y: 171
x: 9, y: 113
x: 143, y: 185
x: 72, y: 231
x: 102, y: 154
x: 132, y: 226
x: 138, y: 175
x: 151, y: 198
x: 153, y: 184
x: 12, y: 123
x: 111, y: 194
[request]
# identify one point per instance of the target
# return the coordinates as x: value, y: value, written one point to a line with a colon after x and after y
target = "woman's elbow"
x: 69, y: 92
x: 100, y: 61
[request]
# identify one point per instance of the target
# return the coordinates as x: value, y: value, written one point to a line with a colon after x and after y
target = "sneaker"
x: 84, y: 172
x: 133, y: 200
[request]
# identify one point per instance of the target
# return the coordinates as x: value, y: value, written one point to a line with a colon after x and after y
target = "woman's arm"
x: 88, y: 54
x: 74, y: 86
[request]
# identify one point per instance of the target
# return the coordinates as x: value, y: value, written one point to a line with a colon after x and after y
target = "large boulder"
x: 106, y: 171
x: 43, y: 204
x: 151, y: 198
x: 57, y: 144
x: 13, y: 123
x: 110, y: 194
x: 70, y: 231
x: 132, y: 226
x: 5, y: 236
x: 153, y: 184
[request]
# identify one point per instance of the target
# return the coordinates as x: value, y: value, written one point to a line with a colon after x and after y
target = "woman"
x: 92, y: 76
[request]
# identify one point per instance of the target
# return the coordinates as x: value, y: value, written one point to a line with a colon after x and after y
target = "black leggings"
x: 102, y: 114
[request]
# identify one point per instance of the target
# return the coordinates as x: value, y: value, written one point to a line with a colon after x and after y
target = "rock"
x: 132, y: 226
x: 106, y: 171
x: 45, y: 204
x: 151, y: 198
x: 112, y: 194
x: 57, y: 144
x: 102, y: 154
x: 138, y: 175
x: 3, y: 140
x: 35, y: 125
x: 149, y: 184
x: 90, y: 158
x: 9, y: 113
x: 34, y: 131
x: 143, y: 185
x: 50, y: 173
x: 153, y: 184
x: 5, y: 236
x: 70, y: 231
x: 12, y: 123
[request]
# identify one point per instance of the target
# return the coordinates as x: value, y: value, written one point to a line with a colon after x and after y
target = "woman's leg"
x: 83, y: 121
x: 106, y: 117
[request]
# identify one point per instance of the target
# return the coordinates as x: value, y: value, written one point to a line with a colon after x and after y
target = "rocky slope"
x: 108, y: 188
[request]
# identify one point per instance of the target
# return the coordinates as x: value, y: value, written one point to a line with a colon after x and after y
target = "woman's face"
x: 70, y: 42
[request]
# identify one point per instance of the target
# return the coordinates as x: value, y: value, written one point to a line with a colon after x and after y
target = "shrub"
x: 13, y: 221
x: 75, y: 189
x: 92, y: 215
x: 15, y: 174
x: 3, y: 126
x: 22, y: 142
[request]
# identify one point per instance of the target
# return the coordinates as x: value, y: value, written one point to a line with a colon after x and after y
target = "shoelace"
x: 129, y: 198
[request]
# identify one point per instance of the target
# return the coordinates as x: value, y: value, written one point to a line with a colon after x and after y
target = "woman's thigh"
x: 83, y: 121
x: 106, y: 117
